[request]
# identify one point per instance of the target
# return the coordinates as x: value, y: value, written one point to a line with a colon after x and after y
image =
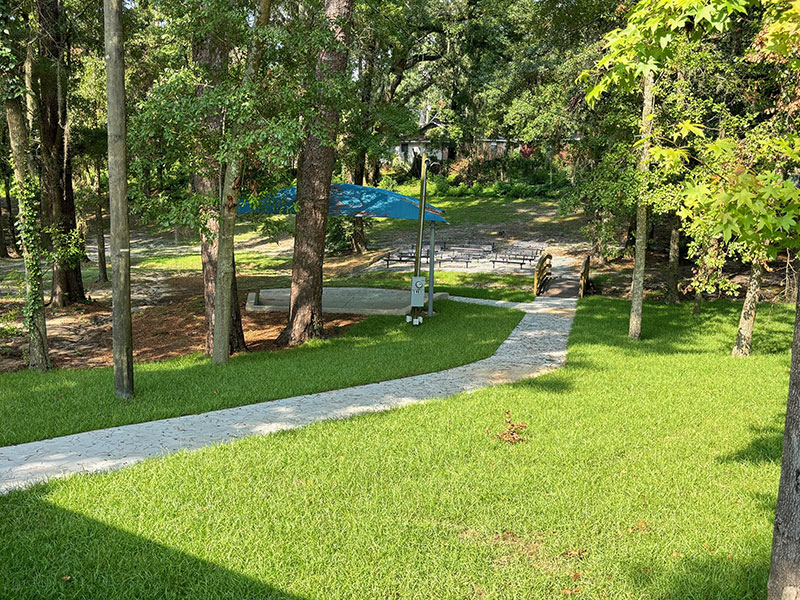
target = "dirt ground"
x: 80, y: 335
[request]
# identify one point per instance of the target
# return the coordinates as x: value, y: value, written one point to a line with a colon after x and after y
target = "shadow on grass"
x: 766, y: 446
x: 50, y: 552
x: 717, y: 577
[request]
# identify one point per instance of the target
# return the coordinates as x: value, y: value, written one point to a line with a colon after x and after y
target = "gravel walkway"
x: 537, y: 345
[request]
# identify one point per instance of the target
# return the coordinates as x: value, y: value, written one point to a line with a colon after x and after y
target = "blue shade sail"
x: 347, y: 200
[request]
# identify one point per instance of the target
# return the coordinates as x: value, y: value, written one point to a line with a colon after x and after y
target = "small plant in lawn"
x: 511, y: 433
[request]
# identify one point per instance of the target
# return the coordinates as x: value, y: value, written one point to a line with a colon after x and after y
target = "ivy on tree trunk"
x: 30, y: 231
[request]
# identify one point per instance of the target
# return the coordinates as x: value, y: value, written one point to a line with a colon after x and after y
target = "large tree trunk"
x: 637, y: 288
x: 313, y: 191
x: 744, y: 336
x: 30, y: 236
x: 122, y: 333
x: 673, y: 270
x: 784, y: 575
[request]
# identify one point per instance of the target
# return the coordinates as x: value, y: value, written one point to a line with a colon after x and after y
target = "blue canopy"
x: 347, y: 201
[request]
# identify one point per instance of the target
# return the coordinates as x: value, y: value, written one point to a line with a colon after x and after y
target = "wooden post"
x: 118, y: 195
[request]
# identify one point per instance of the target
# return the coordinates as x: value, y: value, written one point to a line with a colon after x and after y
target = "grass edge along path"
x: 36, y: 406
x: 649, y: 471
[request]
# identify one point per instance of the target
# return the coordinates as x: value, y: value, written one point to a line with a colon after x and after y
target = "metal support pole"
x: 431, y: 261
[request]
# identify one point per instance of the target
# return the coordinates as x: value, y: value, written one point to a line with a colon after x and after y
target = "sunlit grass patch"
x: 649, y: 472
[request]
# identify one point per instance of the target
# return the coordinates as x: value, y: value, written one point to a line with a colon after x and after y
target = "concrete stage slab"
x: 350, y: 300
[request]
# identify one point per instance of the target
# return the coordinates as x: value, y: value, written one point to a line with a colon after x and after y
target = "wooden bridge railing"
x: 584, y: 276
x: 542, y: 273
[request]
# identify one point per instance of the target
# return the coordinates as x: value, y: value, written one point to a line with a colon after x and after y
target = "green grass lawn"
x: 37, y: 406
x: 494, y: 286
x: 246, y: 261
x: 650, y: 471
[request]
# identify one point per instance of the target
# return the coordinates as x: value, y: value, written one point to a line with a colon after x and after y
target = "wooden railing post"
x: 584, y: 276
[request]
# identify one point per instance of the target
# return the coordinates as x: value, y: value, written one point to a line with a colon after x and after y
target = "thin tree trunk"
x: 48, y: 88
x: 228, y: 334
x: 313, y: 191
x: 3, y: 248
x: 237, y: 341
x: 359, y: 240
x: 673, y: 270
x: 30, y: 236
x: 637, y: 289
x: 744, y: 336
x: 118, y: 196
x: 208, y: 253
x: 12, y: 218
x: 784, y: 575
x: 72, y: 268
x: 209, y: 249
x: 102, y: 270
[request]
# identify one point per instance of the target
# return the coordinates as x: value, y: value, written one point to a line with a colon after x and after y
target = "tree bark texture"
x: 744, y: 336
x: 122, y: 333
x: 784, y: 575
x: 673, y: 270
x: 313, y: 191
x: 637, y: 288
x: 30, y: 236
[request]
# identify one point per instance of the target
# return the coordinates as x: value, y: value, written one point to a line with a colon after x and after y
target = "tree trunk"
x: 313, y: 191
x: 122, y: 333
x: 237, y: 341
x: 3, y: 248
x: 30, y: 236
x: 673, y: 270
x: 637, y: 288
x: 56, y: 184
x: 209, y: 250
x: 208, y: 254
x: 12, y: 218
x: 72, y: 268
x: 784, y: 575
x: 744, y: 337
x: 228, y: 335
x: 48, y: 86
x: 102, y: 269
x: 359, y: 240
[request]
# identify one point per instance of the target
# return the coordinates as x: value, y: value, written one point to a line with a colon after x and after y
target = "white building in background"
x: 486, y: 148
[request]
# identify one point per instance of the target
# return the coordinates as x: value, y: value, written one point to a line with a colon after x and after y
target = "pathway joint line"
x: 537, y: 345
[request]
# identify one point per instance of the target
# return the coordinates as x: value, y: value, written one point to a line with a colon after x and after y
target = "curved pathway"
x: 537, y: 345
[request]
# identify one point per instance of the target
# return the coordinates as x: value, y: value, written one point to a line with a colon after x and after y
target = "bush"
x: 459, y: 190
x: 476, y: 189
x: 387, y: 183
x: 440, y: 185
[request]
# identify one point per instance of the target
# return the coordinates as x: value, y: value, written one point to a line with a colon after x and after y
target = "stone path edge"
x: 536, y: 346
